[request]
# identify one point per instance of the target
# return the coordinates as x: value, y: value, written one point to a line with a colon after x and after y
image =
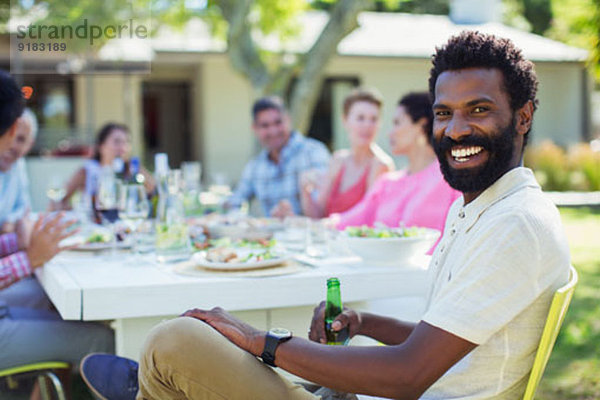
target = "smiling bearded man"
x: 501, y: 152
x: 493, y: 274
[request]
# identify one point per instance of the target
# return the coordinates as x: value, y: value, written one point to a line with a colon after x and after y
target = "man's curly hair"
x: 472, y: 49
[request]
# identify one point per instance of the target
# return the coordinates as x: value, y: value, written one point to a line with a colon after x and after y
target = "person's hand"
x: 238, y: 332
x: 23, y: 228
x: 45, y: 239
x: 348, y: 318
x: 283, y: 209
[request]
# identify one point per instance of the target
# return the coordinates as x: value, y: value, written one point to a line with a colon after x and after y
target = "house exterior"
x: 193, y: 105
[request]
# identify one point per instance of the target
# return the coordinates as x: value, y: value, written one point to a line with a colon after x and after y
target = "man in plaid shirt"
x: 272, y: 176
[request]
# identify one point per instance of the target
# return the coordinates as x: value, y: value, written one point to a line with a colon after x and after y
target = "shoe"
x: 110, y: 377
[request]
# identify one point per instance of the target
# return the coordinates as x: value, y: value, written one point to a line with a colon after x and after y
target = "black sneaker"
x: 110, y: 377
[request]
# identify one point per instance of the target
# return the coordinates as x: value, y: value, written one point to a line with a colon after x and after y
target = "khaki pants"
x: 185, y: 358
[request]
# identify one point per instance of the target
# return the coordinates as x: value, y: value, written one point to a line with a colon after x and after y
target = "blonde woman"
x: 352, y: 171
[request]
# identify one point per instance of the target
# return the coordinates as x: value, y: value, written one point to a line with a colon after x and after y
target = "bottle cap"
x: 134, y: 165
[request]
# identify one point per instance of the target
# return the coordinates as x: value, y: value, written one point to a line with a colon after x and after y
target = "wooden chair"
x: 556, y: 315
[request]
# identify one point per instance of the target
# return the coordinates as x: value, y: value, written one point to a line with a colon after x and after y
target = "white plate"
x: 200, y: 260
x: 102, y: 246
x: 98, y: 246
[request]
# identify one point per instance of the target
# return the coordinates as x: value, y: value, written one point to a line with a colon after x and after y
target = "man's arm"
x: 45, y: 244
x: 402, y: 371
x: 14, y: 268
x: 386, y: 330
x: 389, y: 331
x: 9, y: 243
x: 76, y: 182
x: 244, y: 190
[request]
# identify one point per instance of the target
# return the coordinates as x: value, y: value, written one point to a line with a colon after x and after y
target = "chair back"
x: 556, y: 315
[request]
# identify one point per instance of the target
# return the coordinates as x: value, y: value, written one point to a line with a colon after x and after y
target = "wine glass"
x: 133, y: 208
x: 55, y: 191
x: 107, y: 202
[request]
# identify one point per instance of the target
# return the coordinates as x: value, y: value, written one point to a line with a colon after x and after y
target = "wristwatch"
x: 274, y: 338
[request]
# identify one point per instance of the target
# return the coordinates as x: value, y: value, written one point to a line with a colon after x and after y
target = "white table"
x: 137, y: 293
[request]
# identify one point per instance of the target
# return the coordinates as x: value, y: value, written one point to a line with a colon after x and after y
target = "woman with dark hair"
x: 417, y: 195
x: 112, y: 149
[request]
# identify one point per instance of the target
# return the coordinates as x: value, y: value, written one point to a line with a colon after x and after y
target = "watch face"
x: 280, y: 332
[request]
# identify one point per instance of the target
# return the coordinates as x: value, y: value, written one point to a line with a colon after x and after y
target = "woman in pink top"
x: 352, y: 171
x: 417, y: 195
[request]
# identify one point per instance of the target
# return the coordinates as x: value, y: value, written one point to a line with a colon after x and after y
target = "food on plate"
x: 233, y: 255
x: 99, y: 237
x: 366, y: 232
x: 204, y: 243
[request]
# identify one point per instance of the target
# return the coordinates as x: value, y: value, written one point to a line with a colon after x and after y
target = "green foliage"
x: 577, y: 22
x: 585, y: 161
x: 279, y: 16
x: 439, y: 7
x: 557, y: 170
x: 550, y: 165
x: 539, y: 14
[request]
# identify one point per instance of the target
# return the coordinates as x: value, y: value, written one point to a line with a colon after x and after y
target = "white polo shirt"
x: 493, y: 275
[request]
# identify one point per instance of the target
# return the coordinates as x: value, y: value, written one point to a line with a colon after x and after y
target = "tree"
x: 539, y: 14
x: 242, y: 24
x: 577, y: 22
x: 246, y: 58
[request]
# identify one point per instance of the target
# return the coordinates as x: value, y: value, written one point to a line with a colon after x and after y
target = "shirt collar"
x: 512, y: 181
x: 291, y: 145
x: 289, y: 148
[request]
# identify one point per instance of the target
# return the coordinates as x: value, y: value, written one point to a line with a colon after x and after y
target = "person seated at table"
x: 14, y: 186
x: 112, y: 147
x: 352, y: 171
x: 272, y: 176
x: 417, y: 195
x: 493, y: 275
x: 14, y: 197
x: 29, y: 335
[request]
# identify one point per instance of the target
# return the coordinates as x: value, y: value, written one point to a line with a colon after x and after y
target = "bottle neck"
x: 334, y: 301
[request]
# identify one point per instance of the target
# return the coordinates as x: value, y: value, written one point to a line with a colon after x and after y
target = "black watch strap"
x: 271, y: 343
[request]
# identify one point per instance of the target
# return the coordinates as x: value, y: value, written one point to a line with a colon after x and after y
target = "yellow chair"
x: 556, y: 316
x: 43, y: 370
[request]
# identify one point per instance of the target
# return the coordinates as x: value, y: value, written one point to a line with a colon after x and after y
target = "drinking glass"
x: 317, y: 239
x: 134, y: 208
x: 295, y: 234
x: 55, y: 191
x: 172, y: 239
x: 191, y: 171
x: 107, y: 203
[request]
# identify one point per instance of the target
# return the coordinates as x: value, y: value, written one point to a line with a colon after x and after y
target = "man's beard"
x: 500, y: 148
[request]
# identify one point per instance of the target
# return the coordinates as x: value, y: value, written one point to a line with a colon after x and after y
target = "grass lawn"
x: 573, y: 371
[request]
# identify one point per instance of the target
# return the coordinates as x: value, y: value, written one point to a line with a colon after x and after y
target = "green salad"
x: 366, y: 232
x: 227, y: 242
x: 255, y: 257
x: 99, y: 237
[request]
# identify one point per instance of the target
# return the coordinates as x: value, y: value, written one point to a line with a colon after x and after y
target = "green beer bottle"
x: 333, y: 308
